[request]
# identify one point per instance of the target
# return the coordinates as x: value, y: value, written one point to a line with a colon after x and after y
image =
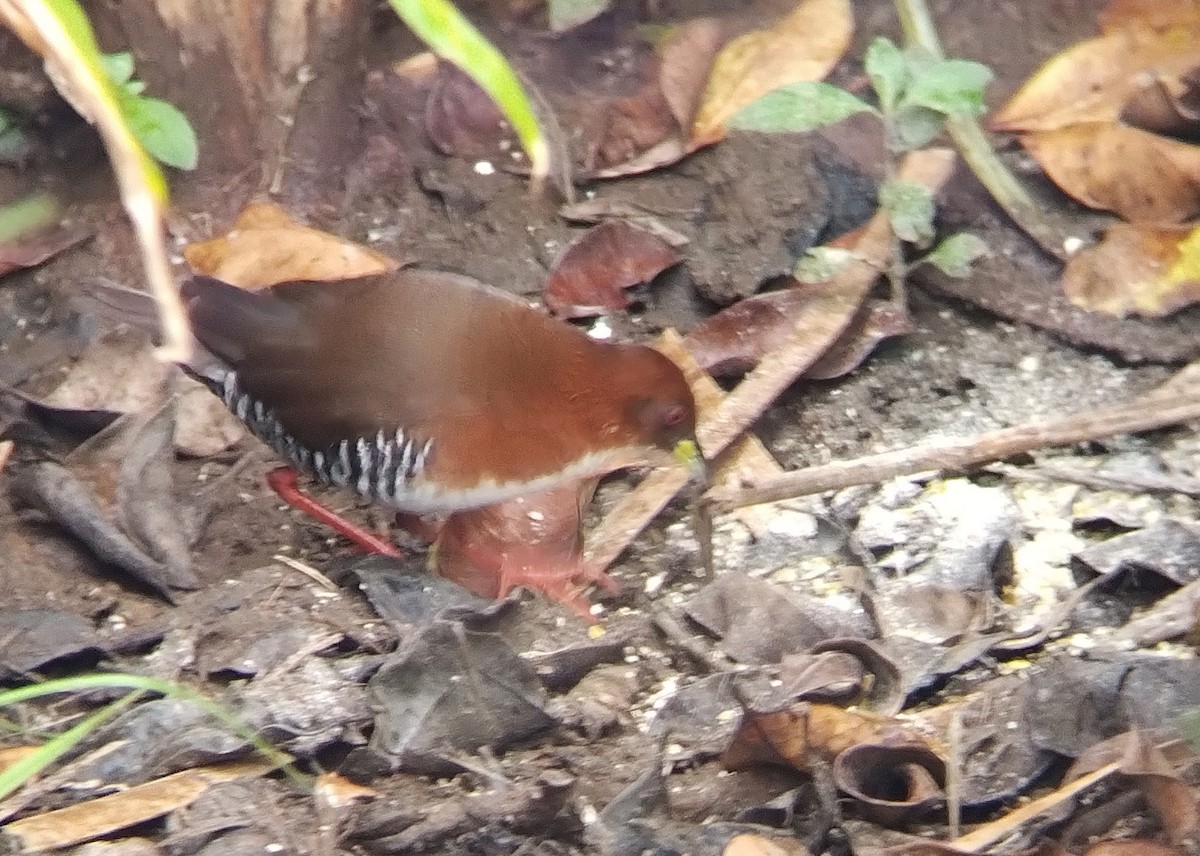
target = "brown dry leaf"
x: 266, y: 246
x: 806, y: 732
x: 734, y: 340
x: 105, y: 815
x: 1145, y: 270
x: 1094, y: 80
x: 758, y: 845
x: 805, y: 45
x: 591, y: 274
x: 336, y: 791
x: 686, y: 57
x: 1149, y: 13
x: 31, y: 250
x: 1140, y: 176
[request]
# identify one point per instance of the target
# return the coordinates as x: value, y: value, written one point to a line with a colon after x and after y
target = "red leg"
x: 284, y: 482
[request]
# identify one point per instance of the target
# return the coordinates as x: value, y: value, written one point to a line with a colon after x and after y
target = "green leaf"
x: 1189, y: 726
x: 804, y: 106
x: 118, y: 66
x: 163, y: 129
x: 950, y: 86
x: 565, y: 14
x: 888, y: 70
x: 910, y: 208
x: 134, y: 87
x: 821, y: 264
x: 955, y: 255
x: 914, y: 127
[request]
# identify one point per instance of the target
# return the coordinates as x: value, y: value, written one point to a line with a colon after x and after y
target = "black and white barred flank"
x: 383, y: 467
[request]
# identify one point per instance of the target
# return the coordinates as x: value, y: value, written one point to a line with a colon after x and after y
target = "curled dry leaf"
x: 462, y: 120
x: 1139, y: 175
x: 805, y: 732
x: 803, y: 45
x: 1137, y: 269
x: 266, y: 246
x: 590, y: 275
x: 893, y: 784
x: 1094, y: 80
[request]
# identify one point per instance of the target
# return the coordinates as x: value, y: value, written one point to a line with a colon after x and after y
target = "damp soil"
x: 960, y: 370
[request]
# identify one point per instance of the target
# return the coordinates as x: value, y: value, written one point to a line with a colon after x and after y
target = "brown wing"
x: 434, y: 353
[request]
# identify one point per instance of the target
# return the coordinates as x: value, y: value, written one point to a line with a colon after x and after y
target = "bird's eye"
x: 674, y: 416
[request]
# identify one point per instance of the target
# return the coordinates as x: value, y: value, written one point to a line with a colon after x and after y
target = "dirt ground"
x: 960, y: 370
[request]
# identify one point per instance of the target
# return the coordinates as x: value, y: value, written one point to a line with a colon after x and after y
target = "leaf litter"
x: 974, y: 608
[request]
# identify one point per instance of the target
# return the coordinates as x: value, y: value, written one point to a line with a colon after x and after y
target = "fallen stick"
x: 1158, y: 409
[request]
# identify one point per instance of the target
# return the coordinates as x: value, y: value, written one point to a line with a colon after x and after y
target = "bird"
x: 430, y: 392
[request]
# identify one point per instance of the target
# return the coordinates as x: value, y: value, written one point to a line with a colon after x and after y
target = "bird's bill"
x: 687, y: 455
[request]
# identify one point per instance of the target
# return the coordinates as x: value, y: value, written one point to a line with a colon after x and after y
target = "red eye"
x: 674, y: 416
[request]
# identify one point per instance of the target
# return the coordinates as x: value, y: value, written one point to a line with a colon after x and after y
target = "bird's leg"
x: 284, y: 482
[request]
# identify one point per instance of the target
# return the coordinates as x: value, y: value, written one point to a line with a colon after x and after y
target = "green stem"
x: 976, y: 150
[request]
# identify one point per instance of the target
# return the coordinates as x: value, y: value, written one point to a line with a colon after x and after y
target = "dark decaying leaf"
x: 147, y: 504
x: 56, y: 492
x: 884, y: 689
x: 1075, y: 703
x: 696, y: 724
x: 893, y: 784
x: 562, y: 669
x: 33, y: 638
x: 757, y: 622
x: 402, y: 591
x: 462, y: 120
x: 1168, y: 548
x: 450, y: 690
x: 591, y: 274
x: 1159, y: 780
x: 998, y: 762
x: 1174, y: 616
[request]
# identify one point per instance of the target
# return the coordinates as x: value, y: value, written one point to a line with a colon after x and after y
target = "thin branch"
x: 1156, y: 410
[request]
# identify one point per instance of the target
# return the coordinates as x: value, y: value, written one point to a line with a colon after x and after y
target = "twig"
x: 988, y: 834
x: 977, y: 151
x: 1155, y: 410
x: 1147, y: 482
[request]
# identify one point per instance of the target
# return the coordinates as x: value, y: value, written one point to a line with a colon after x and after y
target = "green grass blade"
x: 451, y: 36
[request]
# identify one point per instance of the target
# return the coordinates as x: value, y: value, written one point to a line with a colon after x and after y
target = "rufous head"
x: 660, y: 409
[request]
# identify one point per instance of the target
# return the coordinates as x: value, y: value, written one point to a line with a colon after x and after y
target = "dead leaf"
x: 138, y: 804
x: 733, y: 341
x: 1157, y: 14
x: 804, y: 45
x: 120, y: 374
x: 336, y: 791
x: 686, y: 58
x: 266, y: 246
x: 893, y: 784
x: 808, y: 732
x: 758, y: 845
x: 1132, y: 847
x: 1094, y: 80
x: 462, y: 120
x: 33, y: 249
x: 1137, y: 269
x: 590, y: 275
x: 1139, y: 175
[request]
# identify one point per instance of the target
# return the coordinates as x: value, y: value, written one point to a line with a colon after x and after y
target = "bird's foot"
x: 564, y: 579
x: 284, y: 482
